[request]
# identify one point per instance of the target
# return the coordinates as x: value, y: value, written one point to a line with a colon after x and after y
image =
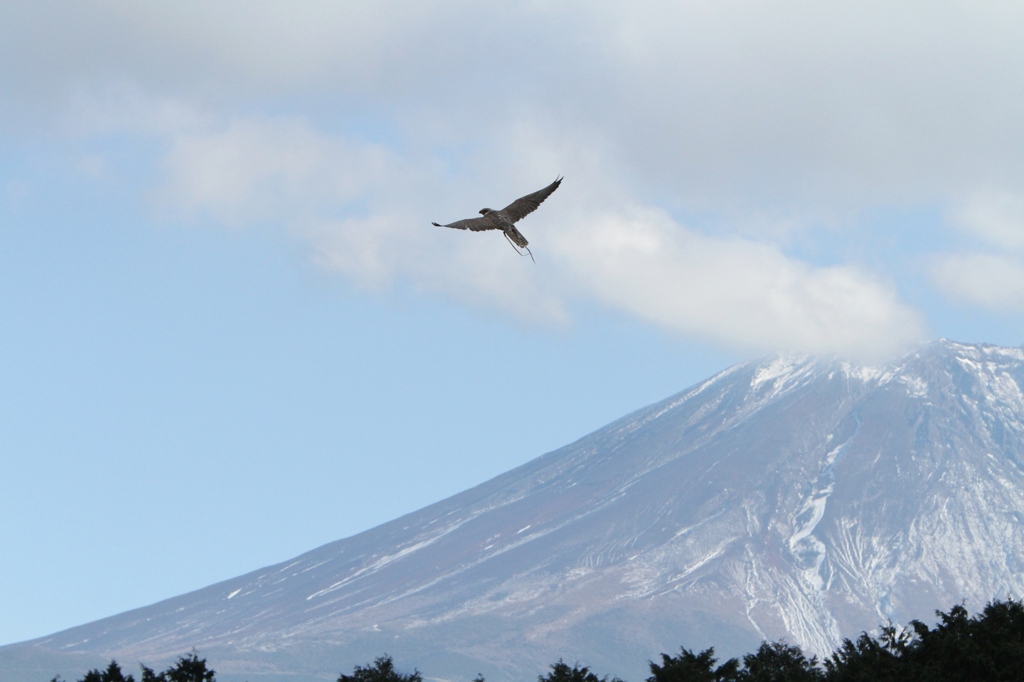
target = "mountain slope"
x: 792, y: 497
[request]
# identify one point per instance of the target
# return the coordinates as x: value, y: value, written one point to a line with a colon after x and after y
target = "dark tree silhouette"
x: 868, y: 659
x: 188, y: 668
x: 989, y: 646
x: 382, y: 670
x: 561, y: 672
x: 691, y: 667
x: 779, y: 662
x: 960, y: 648
x: 111, y: 674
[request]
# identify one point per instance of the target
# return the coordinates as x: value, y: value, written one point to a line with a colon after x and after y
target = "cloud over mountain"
x: 354, y: 125
x: 363, y: 208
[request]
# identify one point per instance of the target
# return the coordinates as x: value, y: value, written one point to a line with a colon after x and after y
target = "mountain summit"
x: 790, y: 498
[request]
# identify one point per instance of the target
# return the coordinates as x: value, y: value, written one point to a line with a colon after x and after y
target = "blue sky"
x: 230, y: 334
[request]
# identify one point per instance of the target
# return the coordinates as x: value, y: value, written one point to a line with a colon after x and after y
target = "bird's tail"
x: 517, y: 237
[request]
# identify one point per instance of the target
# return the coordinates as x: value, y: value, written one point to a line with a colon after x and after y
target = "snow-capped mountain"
x: 790, y: 498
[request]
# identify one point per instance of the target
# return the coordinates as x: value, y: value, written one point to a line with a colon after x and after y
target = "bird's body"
x: 506, y: 218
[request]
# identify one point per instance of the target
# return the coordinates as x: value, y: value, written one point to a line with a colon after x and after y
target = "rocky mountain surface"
x: 793, y: 498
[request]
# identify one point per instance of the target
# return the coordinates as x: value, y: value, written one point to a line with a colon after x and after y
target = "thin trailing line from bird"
x: 517, y: 249
x: 506, y: 218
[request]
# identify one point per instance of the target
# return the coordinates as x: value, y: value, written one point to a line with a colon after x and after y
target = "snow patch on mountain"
x: 795, y: 497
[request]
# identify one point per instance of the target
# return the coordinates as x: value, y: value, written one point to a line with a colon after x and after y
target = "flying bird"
x: 506, y: 218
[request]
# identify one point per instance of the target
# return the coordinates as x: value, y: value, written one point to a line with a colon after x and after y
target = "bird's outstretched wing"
x: 524, y: 206
x: 475, y: 224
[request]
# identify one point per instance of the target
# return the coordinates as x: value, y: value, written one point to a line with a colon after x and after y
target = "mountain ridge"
x: 788, y: 497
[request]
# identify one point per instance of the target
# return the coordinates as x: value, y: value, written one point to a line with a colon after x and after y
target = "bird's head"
x: 485, y: 211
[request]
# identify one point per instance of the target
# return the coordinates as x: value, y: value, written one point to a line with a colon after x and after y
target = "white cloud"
x: 734, y: 291
x: 261, y: 170
x: 995, y: 216
x: 764, y: 120
x: 724, y: 106
x: 993, y: 281
x: 364, y: 211
x: 366, y: 214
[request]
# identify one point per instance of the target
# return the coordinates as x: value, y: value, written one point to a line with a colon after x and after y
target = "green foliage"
x: 960, y: 648
x: 779, y: 662
x: 111, y: 674
x: 188, y: 668
x: 863, y: 661
x: 776, y: 662
x: 382, y: 670
x: 691, y: 667
x: 149, y: 676
x: 561, y: 672
x: 988, y: 646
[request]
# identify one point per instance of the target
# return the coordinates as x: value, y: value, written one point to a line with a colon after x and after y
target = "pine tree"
x: 382, y: 670
x: 562, y: 672
x: 691, y: 667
